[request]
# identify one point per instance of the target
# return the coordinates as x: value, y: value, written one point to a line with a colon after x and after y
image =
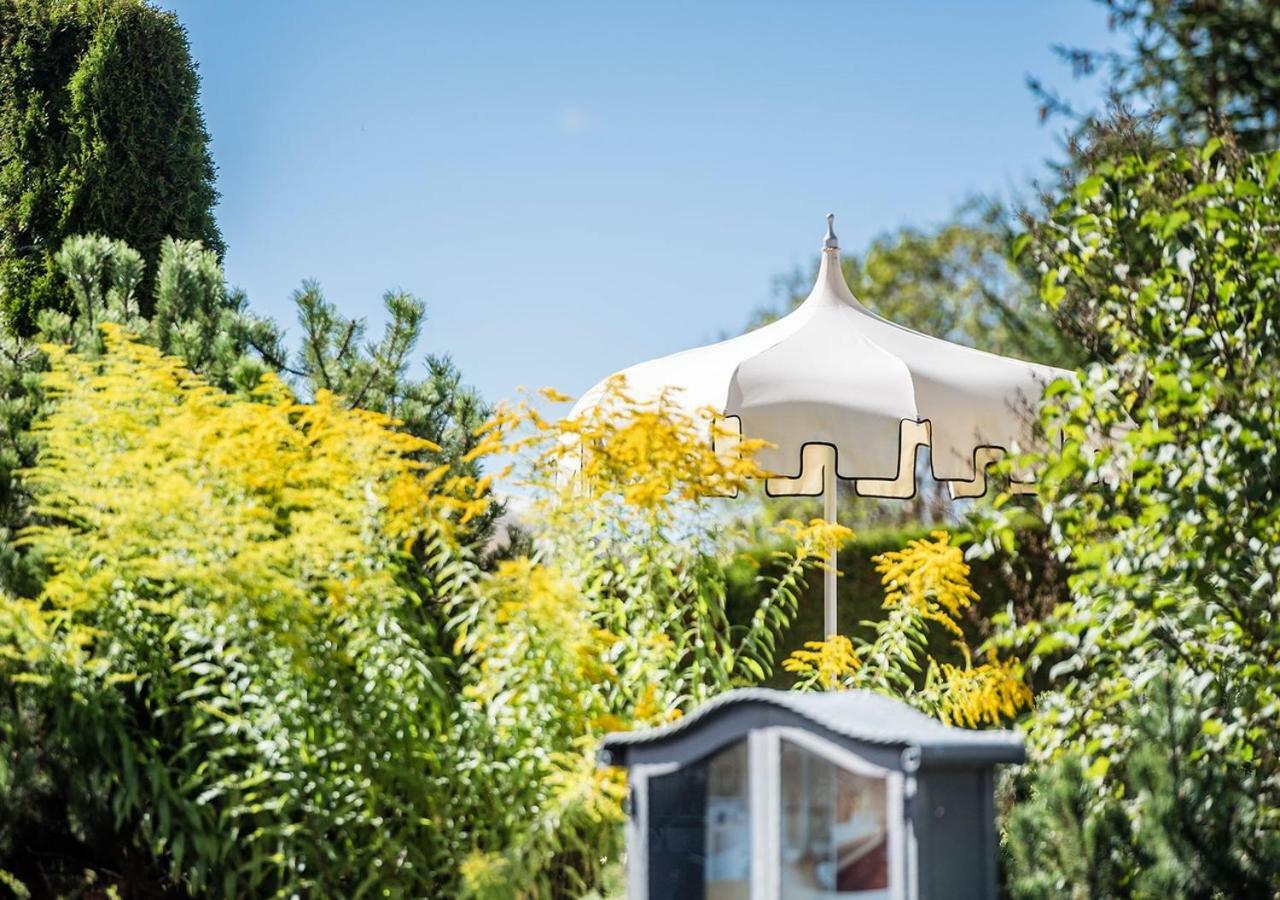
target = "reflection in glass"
x: 699, y: 831
x: 835, y: 830
x: 728, y: 844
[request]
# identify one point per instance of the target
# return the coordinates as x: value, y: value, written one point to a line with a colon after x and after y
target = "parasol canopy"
x: 840, y: 392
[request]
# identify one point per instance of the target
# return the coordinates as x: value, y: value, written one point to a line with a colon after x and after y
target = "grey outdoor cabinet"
x: 764, y: 794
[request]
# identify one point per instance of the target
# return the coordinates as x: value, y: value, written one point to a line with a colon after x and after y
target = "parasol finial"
x: 831, y: 242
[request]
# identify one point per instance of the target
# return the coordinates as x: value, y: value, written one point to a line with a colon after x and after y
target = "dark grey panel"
x: 956, y: 835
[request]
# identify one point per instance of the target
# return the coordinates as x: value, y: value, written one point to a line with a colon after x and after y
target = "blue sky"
x: 576, y: 187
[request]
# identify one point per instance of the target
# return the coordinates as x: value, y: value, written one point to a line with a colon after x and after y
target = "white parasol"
x: 840, y: 392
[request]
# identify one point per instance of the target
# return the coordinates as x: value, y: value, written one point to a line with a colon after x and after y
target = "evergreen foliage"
x: 100, y: 133
x: 335, y: 356
x: 1196, y: 836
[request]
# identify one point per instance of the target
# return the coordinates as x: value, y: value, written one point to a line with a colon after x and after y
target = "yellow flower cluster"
x: 651, y: 454
x: 931, y: 576
x: 817, y: 539
x: 486, y: 874
x: 148, y: 475
x: 619, y: 620
x: 537, y: 637
x: 582, y: 785
x: 986, y: 694
x: 824, y: 663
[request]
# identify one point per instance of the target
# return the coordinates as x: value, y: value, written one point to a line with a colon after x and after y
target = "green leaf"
x: 1090, y: 187
x: 1273, y: 170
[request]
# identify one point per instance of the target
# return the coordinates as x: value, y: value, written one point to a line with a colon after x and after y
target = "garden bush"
x: 1164, y: 506
x: 196, y: 317
x: 263, y: 661
x: 233, y: 660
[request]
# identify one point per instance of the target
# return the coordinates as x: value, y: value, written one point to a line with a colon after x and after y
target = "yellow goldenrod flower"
x: 826, y: 664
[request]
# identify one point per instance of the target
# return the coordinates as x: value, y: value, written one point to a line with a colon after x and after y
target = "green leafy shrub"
x: 261, y: 663
x: 233, y: 668
x: 197, y: 318
x: 1164, y: 505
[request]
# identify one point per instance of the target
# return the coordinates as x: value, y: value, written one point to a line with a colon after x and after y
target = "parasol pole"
x: 831, y: 245
x: 829, y: 575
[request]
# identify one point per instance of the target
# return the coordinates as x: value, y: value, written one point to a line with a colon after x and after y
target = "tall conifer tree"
x: 100, y: 132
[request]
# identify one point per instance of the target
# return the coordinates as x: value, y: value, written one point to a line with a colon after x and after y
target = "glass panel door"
x: 834, y: 839
x: 700, y: 829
